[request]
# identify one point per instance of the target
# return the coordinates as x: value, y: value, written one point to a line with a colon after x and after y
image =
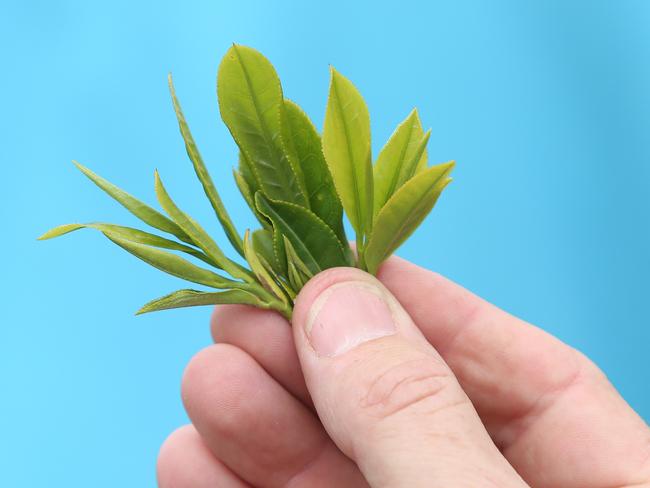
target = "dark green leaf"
x: 250, y: 101
x: 404, y: 212
x: 193, y: 298
x: 204, y: 177
x: 301, y: 138
x: 141, y: 210
x: 346, y: 145
x: 314, y: 242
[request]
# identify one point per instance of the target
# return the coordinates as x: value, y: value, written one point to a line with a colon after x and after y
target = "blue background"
x: 545, y: 106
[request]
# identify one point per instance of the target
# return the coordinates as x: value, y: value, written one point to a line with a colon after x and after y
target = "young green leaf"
x: 346, y: 145
x: 250, y: 101
x: 298, y: 272
x: 315, y: 243
x: 402, y: 151
x: 248, y: 186
x: 141, y: 210
x: 192, y: 298
x: 301, y: 138
x: 262, y: 273
x: 173, y: 264
x: 403, y: 212
x: 203, y: 175
x: 199, y: 236
x: 262, y: 241
x: 130, y: 234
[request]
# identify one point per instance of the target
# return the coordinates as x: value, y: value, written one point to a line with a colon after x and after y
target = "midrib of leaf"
x: 296, y: 237
x: 260, y: 115
x: 355, y: 182
x: 407, y: 221
x: 419, y: 151
x: 395, y: 177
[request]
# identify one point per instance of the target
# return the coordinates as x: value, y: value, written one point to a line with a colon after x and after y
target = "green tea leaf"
x: 399, y: 159
x: 298, y: 272
x: 128, y: 233
x: 262, y: 241
x: 198, y: 235
x: 141, y: 210
x: 244, y: 182
x: 404, y: 212
x: 193, y: 298
x: 250, y: 101
x: 172, y: 264
x: 346, y: 145
x: 203, y: 175
x: 302, y: 139
x: 262, y: 273
x: 315, y: 243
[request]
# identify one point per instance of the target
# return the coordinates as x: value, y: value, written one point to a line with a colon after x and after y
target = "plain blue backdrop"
x: 544, y: 105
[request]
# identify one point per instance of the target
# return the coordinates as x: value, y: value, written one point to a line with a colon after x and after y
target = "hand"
x: 412, y: 383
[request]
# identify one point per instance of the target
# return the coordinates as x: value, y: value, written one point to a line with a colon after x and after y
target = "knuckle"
x: 418, y: 385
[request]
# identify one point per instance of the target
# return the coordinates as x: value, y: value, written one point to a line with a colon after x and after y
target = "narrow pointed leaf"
x: 194, y: 298
x: 198, y: 235
x: 263, y: 275
x: 301, y: 138
x: 401, y: 148
x: 298, y: 272
x: 204, y: 177
x: 128, y: 233
x: 404, y: 212
x: 247, y: 193
x: 262, y: 241
x: 141, y: 210
x: 315, y: 243
x: 346, y: 145
x: 250, y: 101
x: 172, y: 264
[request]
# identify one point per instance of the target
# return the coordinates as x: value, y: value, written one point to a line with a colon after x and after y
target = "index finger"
x: 548, y: 408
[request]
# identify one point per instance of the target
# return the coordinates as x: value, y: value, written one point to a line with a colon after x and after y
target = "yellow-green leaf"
x: 346, y: 145
x: 298, y: 272
x: 404, y: 212
x: 193, y: 298
x: 203, y: 175
x: 262, y: 273
x: 172, y: 264
x: 198, y: 235
x: 141, y: 210
x: 128, y: 233
x: 250, y: 102
x: 399, y: 159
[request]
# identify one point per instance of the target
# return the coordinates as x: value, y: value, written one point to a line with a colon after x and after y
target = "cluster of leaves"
x: 296, y: 184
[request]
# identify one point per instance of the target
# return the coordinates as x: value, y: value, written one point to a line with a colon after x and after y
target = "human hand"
x: 415, y: 382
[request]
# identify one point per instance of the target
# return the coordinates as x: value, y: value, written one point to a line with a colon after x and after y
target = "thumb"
x: 384, y: 394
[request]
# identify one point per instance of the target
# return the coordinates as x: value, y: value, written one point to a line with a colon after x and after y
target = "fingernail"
x: 346, y: 315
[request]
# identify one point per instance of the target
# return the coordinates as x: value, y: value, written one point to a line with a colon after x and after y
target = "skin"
x: 461, y: 394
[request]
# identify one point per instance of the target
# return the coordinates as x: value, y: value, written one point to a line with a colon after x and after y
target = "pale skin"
x: 446, y: 391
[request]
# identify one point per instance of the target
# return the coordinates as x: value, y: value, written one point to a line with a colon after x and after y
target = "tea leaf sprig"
x: 297, y: 185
